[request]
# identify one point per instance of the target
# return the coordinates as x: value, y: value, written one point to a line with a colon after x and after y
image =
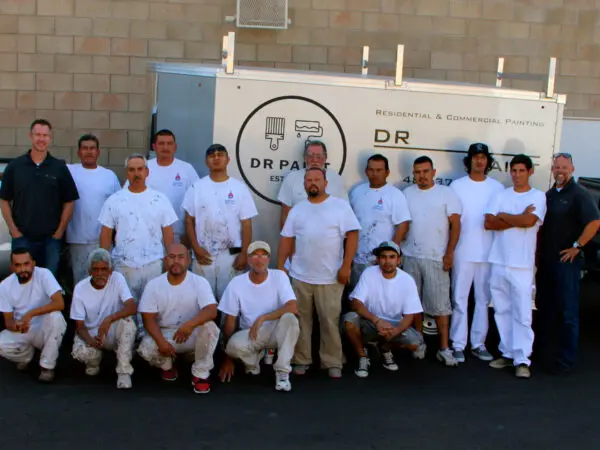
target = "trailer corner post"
x: 399, y: 65
x: 500, y: 72
x: 228, y: 52
x: 551, y: 78
x: 365, y: 61
x: 224, y: 51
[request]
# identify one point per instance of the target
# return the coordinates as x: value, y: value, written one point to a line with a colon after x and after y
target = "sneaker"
x: 269, y: 356
x: 459, y: 356
x: 482, y: 354
x: 419, y: 353
x: 253, y: 370
x: 46, y: 376
x: 282, y: 381
x: 363, y: 367
x: 22, y: 366
x: 300, y: 369
x: 522, y: 371
x: 388, y: 361
x: 92, y: 371
x: 335, y: 373
x: 170, y: 375
x: 501, y: 363
x: 124, y: 381
x: 201, y: 385
x: 446, y: 357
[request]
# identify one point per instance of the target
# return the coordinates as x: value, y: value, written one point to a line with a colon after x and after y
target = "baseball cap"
x: 215, y: 148
x: 387, y: 245
x: 478, y: 147
x: 259, y: 245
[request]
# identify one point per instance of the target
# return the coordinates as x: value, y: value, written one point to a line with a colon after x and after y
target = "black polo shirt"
x: 37, y: 193
x: 568, y: 212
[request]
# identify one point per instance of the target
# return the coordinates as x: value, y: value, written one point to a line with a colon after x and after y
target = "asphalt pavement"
x: 423, y: 406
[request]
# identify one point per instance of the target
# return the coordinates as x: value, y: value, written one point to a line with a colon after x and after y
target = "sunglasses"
x: 563, y: 155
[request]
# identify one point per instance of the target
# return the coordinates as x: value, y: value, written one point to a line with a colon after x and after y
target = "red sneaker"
x: 201, y: 386
x: 170, y: 375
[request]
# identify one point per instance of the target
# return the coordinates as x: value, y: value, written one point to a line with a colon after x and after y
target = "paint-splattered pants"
x: 219, y: 273
x: 120, y: 338
x: 281, y: 334
x: 137, y: 278
x: 78, y: 254
x: 202, y: 344
x: 46, y: 336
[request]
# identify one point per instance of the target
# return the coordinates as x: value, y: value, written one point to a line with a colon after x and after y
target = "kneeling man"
x: 102, y: 309
x: 178, y: 309
x: 385, y: 302
x: 31, y: 300
x: 264, y: 301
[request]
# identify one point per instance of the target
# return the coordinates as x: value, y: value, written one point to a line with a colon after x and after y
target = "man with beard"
x: 515, y: 214
x: 37, y: 199
x: 142, y: 219
x: 178, y: 309
x: 171, y: 176
x: 292, y: 189
x: 102, y: 309
x: 265, y: 304
x: 31, y: 301
x: 429, y: 249
x: 322, y: 232
x: 385, y: 303
x: 219, y: 211
x: 471, y: 267
x: 94, y: 184
x: 571, y: 221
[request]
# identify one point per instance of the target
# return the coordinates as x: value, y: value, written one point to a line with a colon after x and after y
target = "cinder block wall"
x: 81, y: 63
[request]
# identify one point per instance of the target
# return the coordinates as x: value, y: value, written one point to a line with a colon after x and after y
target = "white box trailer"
x: 265, y: 116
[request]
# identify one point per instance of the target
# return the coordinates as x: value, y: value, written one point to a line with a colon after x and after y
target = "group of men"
x: 131, y: 249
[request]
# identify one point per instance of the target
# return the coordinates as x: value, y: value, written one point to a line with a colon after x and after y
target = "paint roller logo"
x: 310, y: 128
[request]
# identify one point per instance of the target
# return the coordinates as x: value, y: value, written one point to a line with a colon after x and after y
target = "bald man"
x: 178, y: 310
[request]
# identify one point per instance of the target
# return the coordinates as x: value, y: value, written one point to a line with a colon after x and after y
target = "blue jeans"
x: 558, y: 311
x: 45, y: 251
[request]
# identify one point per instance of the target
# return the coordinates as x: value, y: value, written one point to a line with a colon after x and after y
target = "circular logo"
x: 271, y: 142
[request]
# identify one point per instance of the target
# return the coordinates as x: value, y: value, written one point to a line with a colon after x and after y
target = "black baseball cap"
x: 478, y: 147
x: 215, y: 148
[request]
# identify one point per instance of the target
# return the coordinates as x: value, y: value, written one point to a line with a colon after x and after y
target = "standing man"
x: 429, y: 248
x: 572, y: 220
x: 292, y: 189
x: 219, y: 211
x: 178, y: 309
x: 385, y: 303
x: 323, y: 231
x: 142, y: 219
x: 31, y: 301
x: 37, y: 198
x: 171, y: 176
x: 471, y: 267
x: 94, y: 184
x: 102, y: 309
x: 382, y: 212
x: 265, y: 303
x: 515, y: 215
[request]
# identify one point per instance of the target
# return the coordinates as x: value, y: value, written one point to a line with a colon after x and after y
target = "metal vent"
x: 262, y: 14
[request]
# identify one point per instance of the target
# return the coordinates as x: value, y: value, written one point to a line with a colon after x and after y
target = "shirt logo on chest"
x: 177, y: 181
x: 230, y: 200
x: 379, y: 204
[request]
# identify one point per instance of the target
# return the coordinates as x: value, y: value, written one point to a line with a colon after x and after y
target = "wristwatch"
x: 576, y: 244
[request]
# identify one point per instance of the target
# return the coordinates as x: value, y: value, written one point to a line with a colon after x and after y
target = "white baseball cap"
x: 259, y: 245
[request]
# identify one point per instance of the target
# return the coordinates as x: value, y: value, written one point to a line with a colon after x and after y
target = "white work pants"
x: 78, y: 255
x: 219, y: 273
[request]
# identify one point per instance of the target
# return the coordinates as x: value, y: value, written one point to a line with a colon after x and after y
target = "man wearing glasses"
x: 292, y: 189
x: 572, y: 220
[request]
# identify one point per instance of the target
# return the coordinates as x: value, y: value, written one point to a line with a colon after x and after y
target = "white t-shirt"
x: 19, y: 298
x: 93, y: 305
x: 249, y: 301
x: 389, y: 299
x: 292, y: 189
x: 475, y: 241
x: 138, y: 220
x: 173, y: 181
x: 94, y: 187
x: 378, y: 211
x: 429, y: 230
x: 320, y: 230
x: 176, y: 304
x: 219, y: 209
x: 515, y: 247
